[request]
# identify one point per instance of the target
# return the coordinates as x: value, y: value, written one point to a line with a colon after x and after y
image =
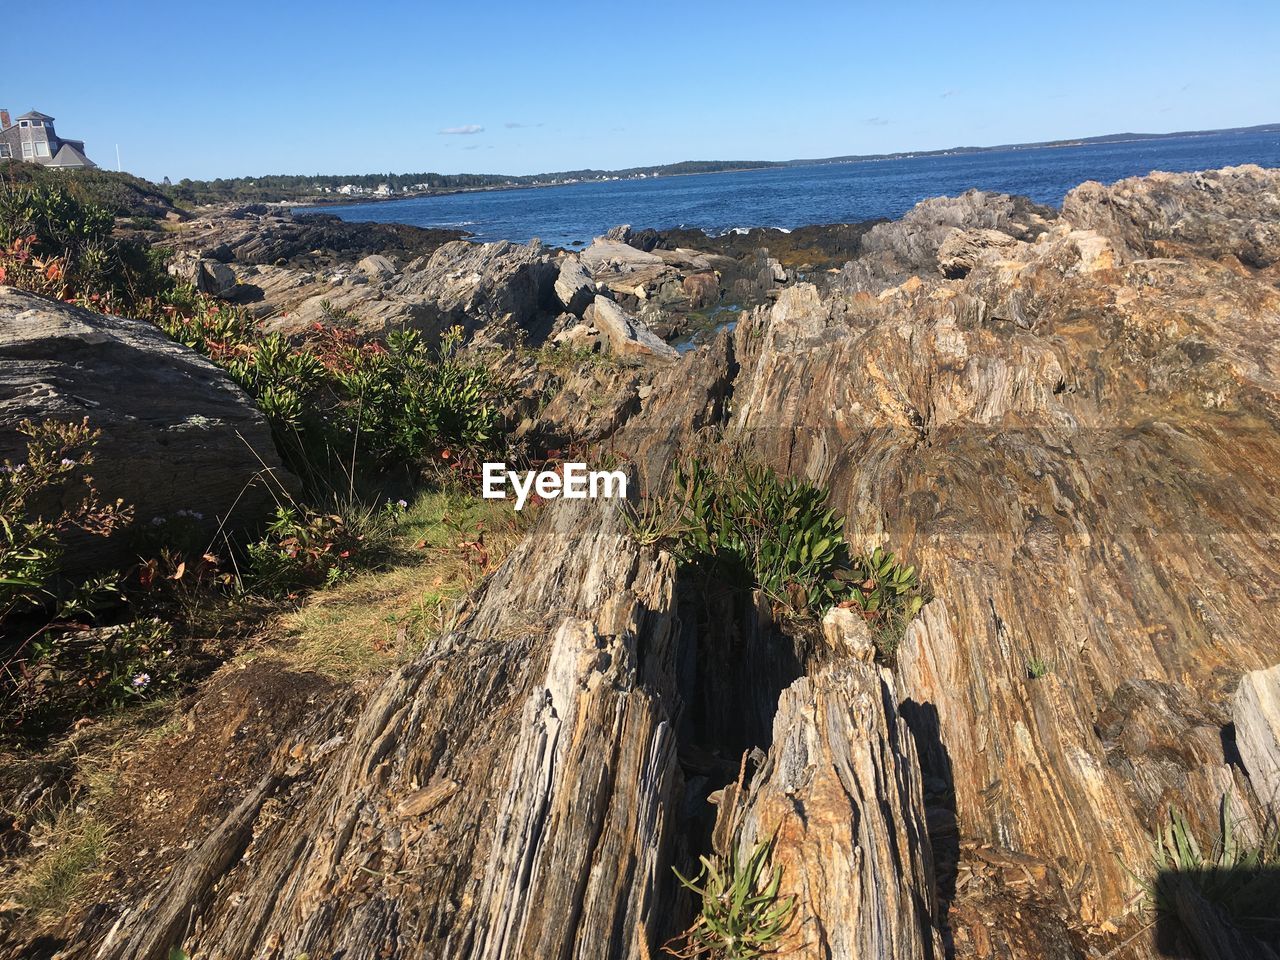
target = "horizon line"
x: 1094, y: 139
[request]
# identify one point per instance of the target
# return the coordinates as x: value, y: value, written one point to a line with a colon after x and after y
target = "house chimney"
x: 5, y: 122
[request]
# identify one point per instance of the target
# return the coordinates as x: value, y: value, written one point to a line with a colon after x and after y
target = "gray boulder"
x: 1255, y: 711
x: 495, y: 286
x: 206, y: 275
x: 574, y: 286
x: 177, y: 433
x: 626, y: 335
x: 377, y: 267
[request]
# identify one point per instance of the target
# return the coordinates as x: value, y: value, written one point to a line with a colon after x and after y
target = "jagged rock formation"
x: 891, y: 252
x: 1074, y: 440
x: 840, y: 797
x: 491, y: 290
x: 177, y: 433
x: 625, y: 335
x: 1056, y: 441
x: 536, y: 814
x: 259, y: 235
x: 1233, y: 214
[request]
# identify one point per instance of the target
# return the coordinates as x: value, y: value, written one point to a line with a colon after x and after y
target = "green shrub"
x: 209, y: 326
x: 741, y: 915
x: 59, y: 222
x: 304, y: 547
x: 43, y: 498
x: 754, y: 529
x: 100, y: 668
x: 57, y: 245
x: 120, y: 194
x: 750, y: 528
x: 406, y: 401
x: 886, y: 592
x: 333, y: 400
x: 282, y: 379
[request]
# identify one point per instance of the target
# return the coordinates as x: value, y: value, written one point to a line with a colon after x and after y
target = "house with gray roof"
x: 33, y: 138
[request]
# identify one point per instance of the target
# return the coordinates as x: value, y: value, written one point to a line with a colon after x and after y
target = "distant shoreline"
x: 322, y: 201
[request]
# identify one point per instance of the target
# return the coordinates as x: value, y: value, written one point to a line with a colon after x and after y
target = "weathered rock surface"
x: 840, y: 794
x: 627, y: 336
x: 963, y: 250
x: 891, y: 252
x: 1075, y: 442
x: 1233, y: 212
x: 488, y: 289
x: 377, y: 267
x: 574, y: 286
x: 702, y: 289
x: 528, y: 817
x: 177, y: 434
x: 263, y: 236
x: 1255, y: 711
x: 206, y: 275
x: 1068, y: 476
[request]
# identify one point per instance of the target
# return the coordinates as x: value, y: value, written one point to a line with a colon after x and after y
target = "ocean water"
x: 789, y: 197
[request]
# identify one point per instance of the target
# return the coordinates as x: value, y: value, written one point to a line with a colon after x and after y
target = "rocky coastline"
x: 1068, y: 419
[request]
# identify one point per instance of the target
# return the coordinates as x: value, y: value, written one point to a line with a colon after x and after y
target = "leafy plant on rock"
x: 43, y: 499
x: 750, y: 528
x: 741, y: 915
x: 1238, y: 878
x: 886, y: 592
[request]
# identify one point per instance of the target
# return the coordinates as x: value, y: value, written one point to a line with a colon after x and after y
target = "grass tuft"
x: 446, y: 543
x: 69, y: 850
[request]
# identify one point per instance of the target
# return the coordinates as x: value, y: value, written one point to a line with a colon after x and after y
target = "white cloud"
x: 464, y: 131
x: 877, y: 121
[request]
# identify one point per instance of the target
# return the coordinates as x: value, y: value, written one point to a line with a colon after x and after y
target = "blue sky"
x: 236, y: 88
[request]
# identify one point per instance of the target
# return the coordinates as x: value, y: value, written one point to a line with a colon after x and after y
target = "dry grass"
x: 68, y: 849
x: 447, y: 542
x: 68, y: 836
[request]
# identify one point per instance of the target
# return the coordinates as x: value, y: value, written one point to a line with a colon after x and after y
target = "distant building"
x: 33, y: 138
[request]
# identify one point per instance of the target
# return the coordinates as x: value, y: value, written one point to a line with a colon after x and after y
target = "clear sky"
x: 245, y: 88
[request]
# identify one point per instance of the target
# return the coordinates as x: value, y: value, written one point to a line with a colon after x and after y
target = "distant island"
x: 334, y: 188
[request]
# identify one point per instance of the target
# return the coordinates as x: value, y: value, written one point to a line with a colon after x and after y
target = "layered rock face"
x: 1067, y: 423
x: 177, y: 433
x: 519, y: 792
x: 1075, y: 445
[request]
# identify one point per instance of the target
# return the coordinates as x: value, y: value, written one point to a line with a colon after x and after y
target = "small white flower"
x: 141, y: 680
x: 67, y: 462
x: 402, y: 504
